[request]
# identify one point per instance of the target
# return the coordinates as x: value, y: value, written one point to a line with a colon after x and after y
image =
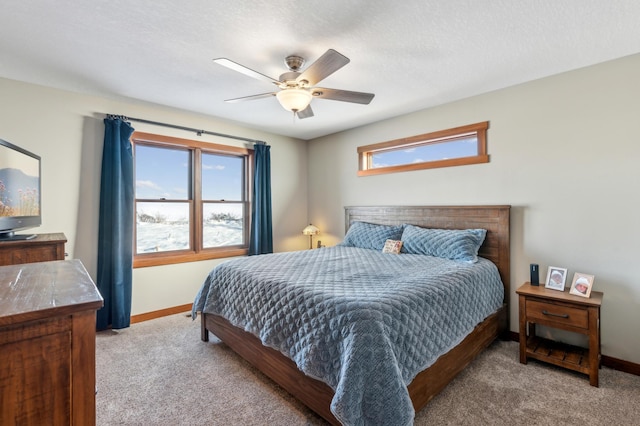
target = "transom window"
x: 445, y: 148
x: 192, y: 200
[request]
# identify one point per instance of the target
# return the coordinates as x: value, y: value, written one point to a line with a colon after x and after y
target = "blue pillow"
x: 454, y: 244
x: 370, y: 236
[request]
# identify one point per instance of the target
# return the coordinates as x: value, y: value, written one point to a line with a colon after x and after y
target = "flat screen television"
x: 19, y: 191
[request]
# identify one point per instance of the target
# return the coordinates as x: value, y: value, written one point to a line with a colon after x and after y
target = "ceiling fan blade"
x: 305, y: 113
x: 251, y: 98
x: 342, y: 95
x: 323, y: 67
x: 244, y: 70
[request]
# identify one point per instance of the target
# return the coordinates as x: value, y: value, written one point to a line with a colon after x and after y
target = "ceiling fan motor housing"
x: 288, y: 80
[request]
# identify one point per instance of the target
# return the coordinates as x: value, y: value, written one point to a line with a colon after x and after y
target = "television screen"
x: 19, y: 190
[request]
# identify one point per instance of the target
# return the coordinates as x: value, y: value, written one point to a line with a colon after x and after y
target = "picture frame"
x: 581, y: 284
x: 556, y: 278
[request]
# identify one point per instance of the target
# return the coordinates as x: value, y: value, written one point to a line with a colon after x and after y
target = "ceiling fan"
x: 297, y: 88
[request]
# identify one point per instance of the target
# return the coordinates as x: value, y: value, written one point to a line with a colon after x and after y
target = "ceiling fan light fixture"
x: 294, y: 99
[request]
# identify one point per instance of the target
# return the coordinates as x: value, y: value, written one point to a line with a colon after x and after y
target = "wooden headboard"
x: 495, y: 219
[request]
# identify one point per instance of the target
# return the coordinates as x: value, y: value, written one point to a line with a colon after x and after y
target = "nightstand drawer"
x: 558, y: 314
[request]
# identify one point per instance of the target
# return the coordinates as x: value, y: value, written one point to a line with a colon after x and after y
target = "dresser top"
x: 34, y: 291
x: 38, y: 239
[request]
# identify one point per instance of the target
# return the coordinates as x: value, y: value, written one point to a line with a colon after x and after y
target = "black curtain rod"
x: 188, y: 129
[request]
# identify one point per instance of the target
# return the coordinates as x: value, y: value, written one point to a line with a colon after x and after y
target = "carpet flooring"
x: 159, y: 372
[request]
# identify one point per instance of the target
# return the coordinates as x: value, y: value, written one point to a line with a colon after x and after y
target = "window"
x: 192, y: 200
x: 452, y: 147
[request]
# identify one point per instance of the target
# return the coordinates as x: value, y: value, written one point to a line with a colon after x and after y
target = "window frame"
x: 365, y: 153
x: 196, y: 252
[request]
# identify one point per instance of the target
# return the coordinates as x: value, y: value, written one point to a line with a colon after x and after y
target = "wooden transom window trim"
x: 203, y: 200
x: 445, y: 148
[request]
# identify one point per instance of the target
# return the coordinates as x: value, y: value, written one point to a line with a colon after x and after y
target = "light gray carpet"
x: 159, y: 372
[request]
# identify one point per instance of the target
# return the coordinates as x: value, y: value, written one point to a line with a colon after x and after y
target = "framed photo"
x: 581, y: 285
x: 556, y: 277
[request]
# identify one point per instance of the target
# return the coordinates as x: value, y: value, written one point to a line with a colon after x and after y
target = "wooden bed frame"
x: 316, y: 394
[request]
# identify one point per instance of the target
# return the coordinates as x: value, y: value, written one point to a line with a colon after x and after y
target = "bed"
x: 388, y: 380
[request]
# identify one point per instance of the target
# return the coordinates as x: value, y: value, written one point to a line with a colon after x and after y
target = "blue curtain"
x: 115, y: 229
x: 261, y: 236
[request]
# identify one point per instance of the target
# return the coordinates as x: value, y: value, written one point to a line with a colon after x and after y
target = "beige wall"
x: 564, y: 153
x: 66, y: 130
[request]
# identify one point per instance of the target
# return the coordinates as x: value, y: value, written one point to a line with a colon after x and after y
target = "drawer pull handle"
x: 555, y: 315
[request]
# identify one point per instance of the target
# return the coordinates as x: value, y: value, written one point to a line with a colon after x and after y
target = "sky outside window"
x: 162, y: 173
x: 222, y: 177
x: 444, y: 150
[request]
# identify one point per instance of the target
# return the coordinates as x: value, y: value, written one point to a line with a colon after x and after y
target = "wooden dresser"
x: 47, y: 344
x: 42, y: 248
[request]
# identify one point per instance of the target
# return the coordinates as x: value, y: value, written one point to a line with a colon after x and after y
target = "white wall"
x: 564, y: 153
x: 67, y: 131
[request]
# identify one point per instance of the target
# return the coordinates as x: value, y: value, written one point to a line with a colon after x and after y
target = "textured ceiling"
x: 412, y: 54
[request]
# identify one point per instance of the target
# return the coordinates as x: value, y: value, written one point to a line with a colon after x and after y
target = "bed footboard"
x: 313, y: 393
x: 317, y: 395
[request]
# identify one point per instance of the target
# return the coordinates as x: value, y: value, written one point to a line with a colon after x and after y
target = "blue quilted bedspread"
x: 362, y: 321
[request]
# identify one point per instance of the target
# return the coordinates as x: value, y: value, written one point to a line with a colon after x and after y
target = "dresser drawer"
x: 557, y: 314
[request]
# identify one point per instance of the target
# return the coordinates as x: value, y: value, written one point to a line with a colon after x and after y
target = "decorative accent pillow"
x: 392, y: 246
x: 454, y: 244
x: 370, y: 236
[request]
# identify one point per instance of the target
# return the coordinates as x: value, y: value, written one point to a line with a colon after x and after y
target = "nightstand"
x: 559, y: 309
